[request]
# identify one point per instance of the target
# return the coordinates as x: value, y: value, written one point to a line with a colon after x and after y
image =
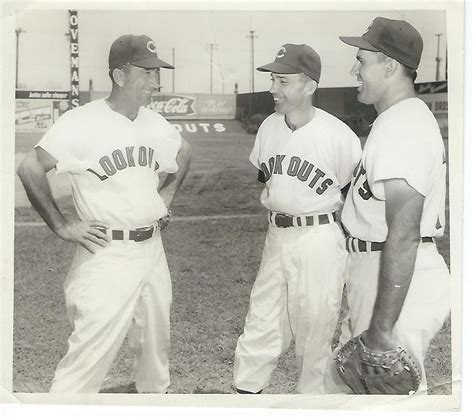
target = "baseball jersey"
x: 304, y: 170
x: 404, y: 143
x: 113, y: 162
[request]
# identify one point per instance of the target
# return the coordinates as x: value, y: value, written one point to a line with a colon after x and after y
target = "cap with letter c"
x: 397, y: 39
x: 138, y: 50
x: 295, y: 59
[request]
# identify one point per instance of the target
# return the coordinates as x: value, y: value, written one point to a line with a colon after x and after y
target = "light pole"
x: 446, y: 65
x: 18, y: 31
x: 172, y: 62
x: 438, y: 58
x: 213, y: 46
x: 252, y: 36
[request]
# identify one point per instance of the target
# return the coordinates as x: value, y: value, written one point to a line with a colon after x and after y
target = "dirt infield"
x: 213, y: 248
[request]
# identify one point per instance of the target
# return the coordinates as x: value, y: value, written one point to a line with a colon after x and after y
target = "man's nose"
x: 355, y: 69
x: 154, y: 79
x: 273, y: 87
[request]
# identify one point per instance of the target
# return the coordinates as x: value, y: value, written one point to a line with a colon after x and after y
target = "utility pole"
x: 18, y: 31
x: 172, y: 62
x: 252, y: 36
x: 438, y: 58
x: 213, y: 46
x: 446, y: 67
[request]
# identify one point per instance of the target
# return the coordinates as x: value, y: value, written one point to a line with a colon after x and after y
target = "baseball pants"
x: 426, y: 306
x: 123, y: 288
x: 296, y: 295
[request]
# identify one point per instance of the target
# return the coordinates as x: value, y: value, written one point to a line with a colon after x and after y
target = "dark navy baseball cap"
x: 295, y: 59
x: 139, y: 51
x: 397, y: 39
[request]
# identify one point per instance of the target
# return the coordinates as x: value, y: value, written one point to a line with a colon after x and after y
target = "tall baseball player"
x: 113, y: 150
x: 305, y: 156
x: 397, y: 282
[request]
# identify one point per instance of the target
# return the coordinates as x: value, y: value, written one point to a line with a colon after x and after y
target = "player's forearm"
x: 396, y: 271
x: 173, y: 181
x: 39, y: 193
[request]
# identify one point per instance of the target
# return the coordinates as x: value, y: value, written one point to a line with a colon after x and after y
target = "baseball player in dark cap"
x: 113, y: 150
x: 305, y: 157
x: 397, y: 282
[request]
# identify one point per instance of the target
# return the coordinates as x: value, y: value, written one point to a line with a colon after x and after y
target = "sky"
x: 44, y: 47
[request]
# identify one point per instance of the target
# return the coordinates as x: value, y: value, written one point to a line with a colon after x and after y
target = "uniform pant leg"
x: 315, y: 272
x: 425, y: 309
x: 101, y: 293
x: 267, y: 331
x: 149, y: 334
x: 361, y: 276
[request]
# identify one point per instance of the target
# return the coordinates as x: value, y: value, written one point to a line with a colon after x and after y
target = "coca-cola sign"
x: 173, y: 105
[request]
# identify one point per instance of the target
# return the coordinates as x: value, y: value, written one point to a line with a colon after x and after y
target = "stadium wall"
x: 253, y: 108
x: 213, y: 113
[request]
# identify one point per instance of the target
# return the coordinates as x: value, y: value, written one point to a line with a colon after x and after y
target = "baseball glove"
x: 373, y: 372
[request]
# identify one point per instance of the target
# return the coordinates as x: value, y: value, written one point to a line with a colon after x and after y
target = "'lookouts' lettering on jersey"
x: 296, y: 167
x: 304, y: 170
x: 404, y: 143
x: 122, y: 159
x: 113, y: 162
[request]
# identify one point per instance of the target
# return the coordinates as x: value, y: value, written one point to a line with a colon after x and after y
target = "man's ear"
x: 119, y: 77
x: 310, y: 87
x: 391, y: 67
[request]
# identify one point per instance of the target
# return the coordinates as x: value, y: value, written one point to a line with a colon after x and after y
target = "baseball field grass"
x: 213, y: 245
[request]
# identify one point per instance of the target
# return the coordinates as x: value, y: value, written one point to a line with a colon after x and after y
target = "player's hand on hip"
x: 164, y: 221
x: 85, y: 233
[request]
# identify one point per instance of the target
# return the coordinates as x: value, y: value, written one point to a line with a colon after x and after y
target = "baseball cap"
x: 295, y: 59
x: 395, y: 38
x: 138, y: 50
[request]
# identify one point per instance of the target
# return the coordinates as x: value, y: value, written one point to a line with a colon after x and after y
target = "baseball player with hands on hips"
x: 113, y: 150
x: 397, y: 282
x: 305, y: 157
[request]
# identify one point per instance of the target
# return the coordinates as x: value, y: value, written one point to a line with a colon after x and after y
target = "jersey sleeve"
x: 348, y: 154
x: 255, y: 153
x: 407, y: 157
x: 169, y: 146
x: 61, y: 142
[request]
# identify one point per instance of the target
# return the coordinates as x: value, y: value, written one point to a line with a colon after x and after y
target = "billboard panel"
x: 194, y: 105
x: 36, y: 110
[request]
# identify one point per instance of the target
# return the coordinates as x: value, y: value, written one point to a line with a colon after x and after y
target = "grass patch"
x: 213, y: 265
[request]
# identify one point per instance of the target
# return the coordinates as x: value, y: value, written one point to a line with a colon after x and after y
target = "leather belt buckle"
x: 282, y: 220
x: 142, y: 234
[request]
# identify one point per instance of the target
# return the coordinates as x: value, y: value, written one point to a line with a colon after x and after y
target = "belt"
x: 283, y: 220
x: 137, y: 235
x: 356, y: 245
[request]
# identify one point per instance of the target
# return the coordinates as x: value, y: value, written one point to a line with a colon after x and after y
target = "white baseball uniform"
x: 404, y: 143
x: 297, y: 292
x: 113, y: 164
